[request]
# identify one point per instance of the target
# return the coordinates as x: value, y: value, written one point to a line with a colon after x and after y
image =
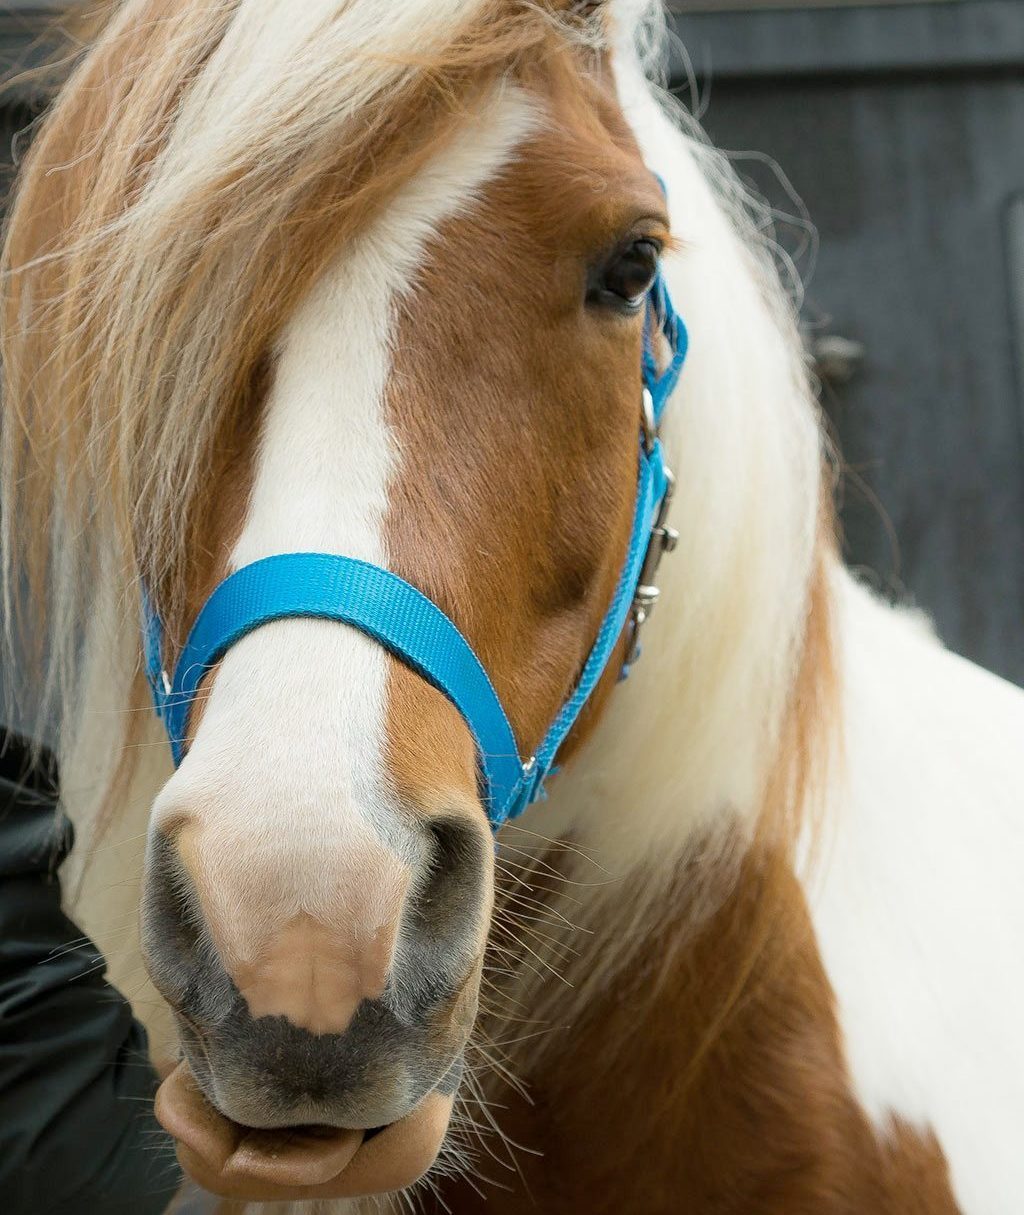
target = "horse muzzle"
x: 349, y: 1016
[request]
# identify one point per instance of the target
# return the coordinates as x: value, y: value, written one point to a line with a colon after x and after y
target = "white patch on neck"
x: 917, y: 897
x: 291, y: 746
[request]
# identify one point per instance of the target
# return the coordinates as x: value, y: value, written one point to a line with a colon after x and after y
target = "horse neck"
x: 658, y: 883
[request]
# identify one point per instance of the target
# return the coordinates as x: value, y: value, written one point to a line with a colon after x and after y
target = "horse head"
x: 397, y: 313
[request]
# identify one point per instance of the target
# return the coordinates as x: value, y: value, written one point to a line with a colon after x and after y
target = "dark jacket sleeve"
x: 77, y: 1133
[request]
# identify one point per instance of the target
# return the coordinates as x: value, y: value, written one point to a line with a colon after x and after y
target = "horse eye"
x: 628, y: 276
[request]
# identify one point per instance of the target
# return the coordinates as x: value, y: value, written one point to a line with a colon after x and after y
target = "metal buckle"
x: 663, y: 540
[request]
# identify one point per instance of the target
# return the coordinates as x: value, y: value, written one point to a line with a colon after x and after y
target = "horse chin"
x: 297, y: 1163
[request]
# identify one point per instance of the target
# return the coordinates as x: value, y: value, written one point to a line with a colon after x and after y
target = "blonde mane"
x: 153, y: 256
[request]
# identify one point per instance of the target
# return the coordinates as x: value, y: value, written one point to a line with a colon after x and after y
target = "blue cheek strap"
x: 401, y: 618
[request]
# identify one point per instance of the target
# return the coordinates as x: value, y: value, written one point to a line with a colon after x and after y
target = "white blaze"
x: 290, y: 755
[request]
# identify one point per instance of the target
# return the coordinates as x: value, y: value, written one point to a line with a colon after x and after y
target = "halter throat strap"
x: 415, y: 630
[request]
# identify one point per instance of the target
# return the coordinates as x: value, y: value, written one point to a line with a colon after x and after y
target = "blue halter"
x: 414, y: 629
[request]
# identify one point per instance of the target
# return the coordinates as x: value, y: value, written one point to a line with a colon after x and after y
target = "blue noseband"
x: 413, y: 628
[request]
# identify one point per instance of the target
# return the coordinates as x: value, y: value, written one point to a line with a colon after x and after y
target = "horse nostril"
x: 444, y: 920
x: 176, y: 945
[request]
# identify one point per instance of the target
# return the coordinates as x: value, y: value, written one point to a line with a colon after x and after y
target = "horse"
x: 345, y: 279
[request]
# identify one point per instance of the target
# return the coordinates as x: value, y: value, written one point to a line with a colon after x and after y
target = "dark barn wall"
x: 22, y: 45
x: 902, y: 130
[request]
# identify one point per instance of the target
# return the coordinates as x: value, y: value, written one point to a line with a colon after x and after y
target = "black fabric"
x: 77, y: 1133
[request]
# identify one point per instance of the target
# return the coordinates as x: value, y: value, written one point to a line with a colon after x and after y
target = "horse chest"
x: 671, y: 1095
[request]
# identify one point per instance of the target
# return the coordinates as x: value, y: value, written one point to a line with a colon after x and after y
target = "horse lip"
x: 299, y: 1156
x: 304, y: 1162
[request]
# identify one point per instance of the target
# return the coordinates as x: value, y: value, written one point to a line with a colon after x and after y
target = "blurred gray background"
x: 896, y: 129
x: 900, y: 126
